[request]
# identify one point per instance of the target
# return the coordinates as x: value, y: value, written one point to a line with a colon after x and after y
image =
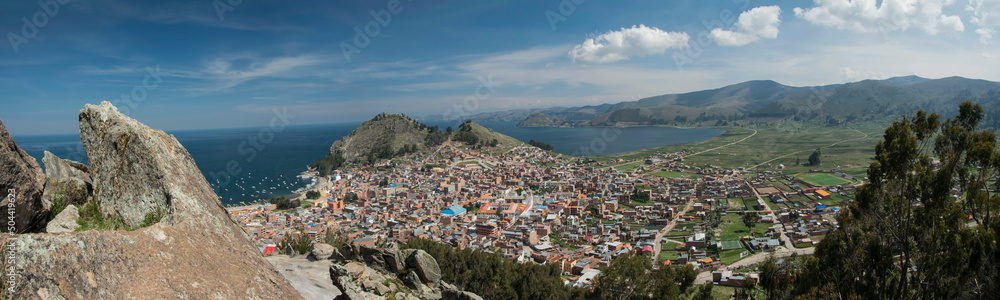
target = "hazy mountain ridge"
x: 868, y: 99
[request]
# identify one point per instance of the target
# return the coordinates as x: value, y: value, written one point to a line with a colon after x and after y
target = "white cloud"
x: 620, y: 45
x: 986, y: 14
x: 891, y: 15
x: 754, y: 24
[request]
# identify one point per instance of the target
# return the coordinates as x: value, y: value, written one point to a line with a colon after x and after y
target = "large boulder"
x: 196, y: 251
x: 135, y: 169
x: 65, y: 181
x: 425, y: 266
x: 322, y: 251
x: 65, y: 221
x: 22, y: 180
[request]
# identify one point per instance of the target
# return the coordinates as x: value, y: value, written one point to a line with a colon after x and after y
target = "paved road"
x: 667, y: 229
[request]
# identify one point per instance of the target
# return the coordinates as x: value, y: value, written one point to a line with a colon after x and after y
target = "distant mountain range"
x: 766, y: 99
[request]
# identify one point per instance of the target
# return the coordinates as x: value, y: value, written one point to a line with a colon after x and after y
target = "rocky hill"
x: 161, y: 232
x: 543, y: 120
x: 392, y: 135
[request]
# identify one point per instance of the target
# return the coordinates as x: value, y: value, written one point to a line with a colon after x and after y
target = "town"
x: 532, y: 206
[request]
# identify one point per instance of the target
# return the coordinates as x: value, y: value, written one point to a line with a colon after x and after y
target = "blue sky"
x: 210, y: 64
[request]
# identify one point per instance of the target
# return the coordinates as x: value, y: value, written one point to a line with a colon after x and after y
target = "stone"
x: 374, y: 258
x: 412, y: 280
x: 450, y: 292
x: 20, y: 174
x: 196, y: 251
x: 64, y: 182
x: 425, y: 266
x: 65, y: 221
x: 355, y: 269
x: 135, y: 169
x: 322, y: 251
x: 343, y: 281
x: 394, y: 261
x: 351, y: 252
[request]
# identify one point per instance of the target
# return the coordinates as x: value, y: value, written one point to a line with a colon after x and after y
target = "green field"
x: 822, y: 179
x: 732, y: 228
x: 668, y: 174
x: 728, y: 257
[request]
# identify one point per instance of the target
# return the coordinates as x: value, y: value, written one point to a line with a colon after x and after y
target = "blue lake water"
x: 242, y: 168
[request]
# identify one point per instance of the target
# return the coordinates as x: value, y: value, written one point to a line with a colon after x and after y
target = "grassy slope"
x: 850, y: 149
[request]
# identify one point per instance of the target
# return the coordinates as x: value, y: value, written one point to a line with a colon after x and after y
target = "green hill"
x: 389, y: 136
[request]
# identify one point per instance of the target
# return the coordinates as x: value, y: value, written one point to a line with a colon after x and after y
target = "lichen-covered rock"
x: 21, y: 179
x: 195, y: 252
x: 65, y: 221
x: 135, y: 169
x: 426, y: 267
x: 64, y: 181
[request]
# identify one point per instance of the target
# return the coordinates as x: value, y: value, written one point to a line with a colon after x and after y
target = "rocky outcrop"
x: 371, y: 273
x: 21, y: 179
x: 65, y: 221
x: 136, y: 170
x: 66, y: 181
x: 195, y: 252
x: 426, y: 267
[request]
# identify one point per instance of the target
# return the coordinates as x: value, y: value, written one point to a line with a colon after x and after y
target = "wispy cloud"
x: 986, y: 14
x: 228, y: 72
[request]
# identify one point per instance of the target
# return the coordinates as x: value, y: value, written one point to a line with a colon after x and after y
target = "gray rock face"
x: 343, y: 280
x: 322, y: 251
x: 426, y: 267
x: 450, y: 292
x: 136, y: 169
x: 373, y: 273
x: 385, y: 260
x: 195, y: 252
x: 64, y: 181
x: 21, y: 179
x: 65, y: 221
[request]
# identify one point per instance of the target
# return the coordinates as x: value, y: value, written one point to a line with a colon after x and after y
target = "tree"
x: 750, y: 219
x: 300, y: 244
x: 923, y: 227
x: 312, y: 194
x: 631, y: 276
x: 284, y: 203
x: 814, y: 158
x: 704, y: 293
